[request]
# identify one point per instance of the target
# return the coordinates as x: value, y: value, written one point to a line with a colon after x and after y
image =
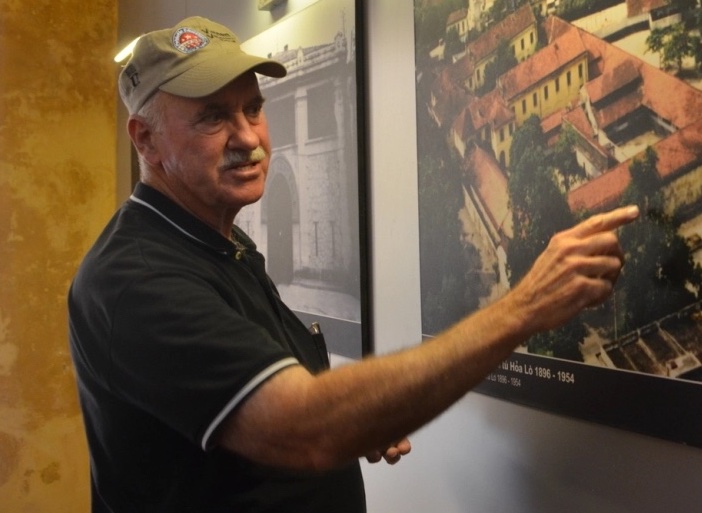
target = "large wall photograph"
x: 309, y: 223
x: 532, y: 115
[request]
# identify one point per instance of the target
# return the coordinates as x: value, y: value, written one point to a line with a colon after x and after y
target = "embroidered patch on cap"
x: 187, y: 40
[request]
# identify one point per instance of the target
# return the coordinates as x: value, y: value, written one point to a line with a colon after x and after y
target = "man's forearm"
x: 321, y: 421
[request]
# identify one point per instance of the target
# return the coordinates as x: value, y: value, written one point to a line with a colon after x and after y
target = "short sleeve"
x: 187, y: 355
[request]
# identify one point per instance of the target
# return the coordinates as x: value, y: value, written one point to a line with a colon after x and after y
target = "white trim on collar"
x: 174, y: 224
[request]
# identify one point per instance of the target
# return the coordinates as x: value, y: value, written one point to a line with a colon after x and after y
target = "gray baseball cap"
x: 193, y: 59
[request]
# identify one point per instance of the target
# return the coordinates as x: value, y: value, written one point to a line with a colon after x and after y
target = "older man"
x: 201, y: 390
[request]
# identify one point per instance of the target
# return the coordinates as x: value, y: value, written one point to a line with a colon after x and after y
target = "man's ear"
x: 142, y: 136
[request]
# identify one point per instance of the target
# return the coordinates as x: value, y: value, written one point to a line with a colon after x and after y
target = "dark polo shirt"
x: 171, y: 327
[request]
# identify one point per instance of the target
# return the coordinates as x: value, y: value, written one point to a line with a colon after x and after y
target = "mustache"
x: 236, y: 158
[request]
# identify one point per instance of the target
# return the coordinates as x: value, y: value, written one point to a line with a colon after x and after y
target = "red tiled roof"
x: 675, y: 153
x: 508, y: 28
x: 489, y: 109
x: 555, y: 27
x: 463, y: 68
x: 601, y: 192
x: 450, y: 98
x: 680, y: 150
x: 670, y: 98
x: 553, y: 121
x: 578, y: 120
x: 618, y: 109
x: 680, y: 109
x: 539, y: 66
x: 613, y: 79
x: 462, y: 125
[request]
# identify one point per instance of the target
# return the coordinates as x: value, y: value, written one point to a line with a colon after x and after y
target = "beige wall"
x: 57, y: 189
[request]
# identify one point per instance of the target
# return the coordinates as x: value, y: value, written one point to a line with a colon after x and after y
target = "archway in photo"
x: 281, y: 214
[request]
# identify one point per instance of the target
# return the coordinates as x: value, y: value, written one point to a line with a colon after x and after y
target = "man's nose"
x: 242, y: 134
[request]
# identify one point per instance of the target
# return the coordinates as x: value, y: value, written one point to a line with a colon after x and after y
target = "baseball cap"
x: 193, y: 59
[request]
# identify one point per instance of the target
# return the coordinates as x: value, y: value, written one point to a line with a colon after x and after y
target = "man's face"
x: 214, y: 151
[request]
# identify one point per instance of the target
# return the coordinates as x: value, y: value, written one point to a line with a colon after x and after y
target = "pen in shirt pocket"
x: 320, y: 345
x: 315, y: 329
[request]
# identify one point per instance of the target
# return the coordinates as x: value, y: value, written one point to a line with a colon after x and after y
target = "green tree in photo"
x: 564, y: 159
x: 449, y: 283
x: 430, y: 22
x: 673, y: 43
x: 503, y: 62
x: 454, y: 45
x: 502, y: 8
x: 660, y: 276
x: 539, y: 209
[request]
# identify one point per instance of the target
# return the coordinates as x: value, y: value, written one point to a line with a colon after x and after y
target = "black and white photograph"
x: 309, y: 224
x: 531, y: 116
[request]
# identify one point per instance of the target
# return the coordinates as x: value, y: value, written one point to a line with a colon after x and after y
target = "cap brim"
x: 210, y: 76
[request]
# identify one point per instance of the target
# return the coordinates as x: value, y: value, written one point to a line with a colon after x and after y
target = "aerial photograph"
x: 532, y: 115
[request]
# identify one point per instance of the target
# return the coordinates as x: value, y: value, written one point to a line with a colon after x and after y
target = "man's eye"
x: 213, y: 117
x: 254, y: 111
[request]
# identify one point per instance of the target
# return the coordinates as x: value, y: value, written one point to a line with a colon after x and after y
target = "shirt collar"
x: 185, y: 222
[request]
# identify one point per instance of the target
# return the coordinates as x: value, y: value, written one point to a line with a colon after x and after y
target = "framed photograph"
x: 531, y: 116
x: 311, y: 222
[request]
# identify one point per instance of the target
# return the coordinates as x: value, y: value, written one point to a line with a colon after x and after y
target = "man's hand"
x: 391, y: 454
x: 578, y: 269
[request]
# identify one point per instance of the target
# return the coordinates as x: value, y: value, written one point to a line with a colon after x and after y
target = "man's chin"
x: 246, y: 195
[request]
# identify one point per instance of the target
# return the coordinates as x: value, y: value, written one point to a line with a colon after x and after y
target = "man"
x: 201, y: 391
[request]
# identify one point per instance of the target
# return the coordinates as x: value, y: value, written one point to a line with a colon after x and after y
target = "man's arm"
x: 297, y: 420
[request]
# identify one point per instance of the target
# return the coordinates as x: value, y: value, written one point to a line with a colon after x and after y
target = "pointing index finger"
x: 608, y: 221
